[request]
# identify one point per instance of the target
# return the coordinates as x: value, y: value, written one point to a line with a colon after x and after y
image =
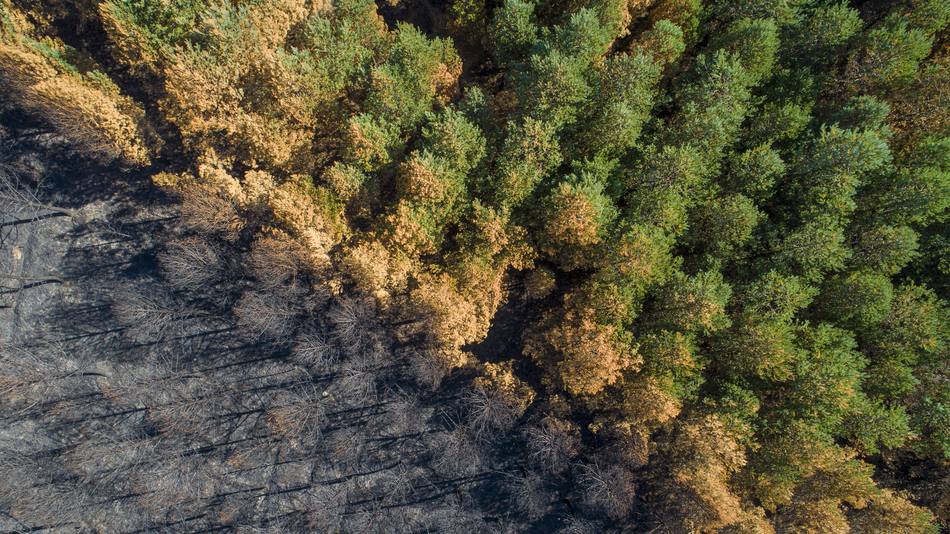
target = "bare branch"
x: 190, y: 263
x: 316, y: 351
x: 553, y: 444
x: 16, y: 197
x: 489, y: 411
x: 608, y: 488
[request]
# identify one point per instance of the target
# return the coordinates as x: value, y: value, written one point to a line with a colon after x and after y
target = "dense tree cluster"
x: 721, y: 226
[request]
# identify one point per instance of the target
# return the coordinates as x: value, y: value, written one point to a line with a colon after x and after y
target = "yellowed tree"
x: 448, y: 316
x: 579, y: 354
x: 576, y: 219
x: 490, y: 246
x: 701, y: 456
x: 821, y: 516
x: 539, y: 283
x: 80, y: 102
x: 375, y: 269
x: 641, y: 400
x: 924, y: 107
x: 820, y: 501
x: 501, y: 376
x: 216, y: 201
x: 308, y: 212
x: 245, y: 89
x: 840, y: 496
x: 892, y: 513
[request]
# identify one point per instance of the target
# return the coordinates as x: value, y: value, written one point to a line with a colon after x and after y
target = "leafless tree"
x: 111, y: 460
x: 298, y: 417
x: 489, y: 412
x: 452, y: 517
x: 631, y: 449
x: 191, y: 263
x: 457, y: 453
x: 426, y: 367
x: 377, y: 346
x: 177, y: 484
x: 20, y: 200
x: 322, y: 507
x: 185, y: 405
x: 529, y: 494
x: 50, y: 504
x: 399, y: 484
x: 236, y: 510
x: 316, y: 351
x: 362, y: 521
x: 353, y: 319
x: 608, y: 488
x: 210, y: 214
x: 251, y: 457
x: 274, y: 526
x: 553, y: 444
x: 115, y: 515
x: 275, y: 261
x: 35, y: 373
x: 400, y: 520
x: 356, y: 384
x: 577, y: 525
x: 345, y: 447
x: 266, y: 315
x: 136, y: 384
x: 20, y: 203
x: 149, y: 312
x: 34, y: 487
x: 407, y: 415
x: 18, y: 465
